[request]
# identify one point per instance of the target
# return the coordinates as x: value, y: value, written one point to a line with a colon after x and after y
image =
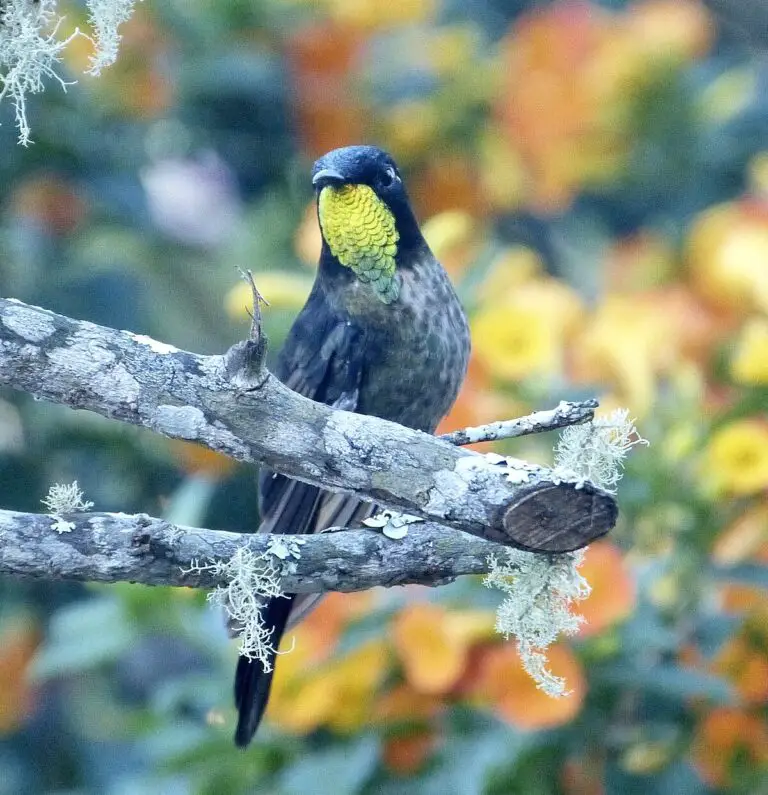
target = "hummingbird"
x: 382, y: 333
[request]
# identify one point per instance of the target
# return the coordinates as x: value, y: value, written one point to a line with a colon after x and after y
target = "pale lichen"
x: 595, y: 451
x: 31, y: 47
x: 537, y: 608
x: 66, y: 498
x: 252, y: 578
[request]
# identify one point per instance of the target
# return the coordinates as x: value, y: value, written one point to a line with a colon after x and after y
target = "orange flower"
x: 406, y: 753
x: 447, y: 182
x: 323, y: 57
x: 404, y: 704
x: 51, y: 202
x: 613, y: 594
x: 433, y: 644
x: 745, y: 663
x: 18, y: 643
x: 198, y: 460
x: 725, y: 739
x: 504, y: 684
x: 735, y: 598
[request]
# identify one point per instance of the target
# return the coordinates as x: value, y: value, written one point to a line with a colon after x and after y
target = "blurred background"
x: 594, y: 175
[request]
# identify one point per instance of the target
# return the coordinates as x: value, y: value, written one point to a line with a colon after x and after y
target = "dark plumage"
x: 356, y: 347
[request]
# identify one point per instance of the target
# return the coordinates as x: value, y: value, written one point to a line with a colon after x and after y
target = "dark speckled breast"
x: 416, y: 349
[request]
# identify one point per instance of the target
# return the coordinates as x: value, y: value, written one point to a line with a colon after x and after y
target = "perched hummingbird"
x: 382, y: 333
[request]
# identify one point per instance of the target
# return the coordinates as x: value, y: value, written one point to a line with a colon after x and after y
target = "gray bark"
x: 231, y: 404
x: 104, y: 547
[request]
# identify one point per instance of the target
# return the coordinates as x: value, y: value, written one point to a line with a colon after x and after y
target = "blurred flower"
x: 736, y: 459
x: 510, y: 268
x: 433, y: 643
x: 729, y: 94
x: 448, y: 181
x: 749, y: 364
x: 195, y: 200
x: 583, y: 776
x: 670, y: 30
x: 410, y: 128
x: 726, y: 740
x: 324, y: 59
x: 503, y: 683
x: 51, y: 202
x: 727, y: 253
x: 339, y: 695
x: 18, y: 644
x: 625, y: 344
x: 639, y: 262
x: 195, y: 459
x: 504, y: 178
x: 405, y: 753
x: 613, y: 593
x: 743, y: 660
x: 523, y: 333
x: 739, y: 599
x: 138, y: 84
x: 743, y: 538
x: 375, y: 15
x: 404, y: 704
x: 454, y: 239
x: 283, y: 290
x: 634, y: 338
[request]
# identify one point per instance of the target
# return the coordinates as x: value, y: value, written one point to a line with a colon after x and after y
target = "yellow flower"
x: 282, y: 290
x: 453, y: 237
x: 626, y: 343
x: 511, y: 268
x: 374, y: 15
x: 515, y: 343
x: 750, y: 359
x: 339, y: 694
x: 736, y: 460
x: 727, y: 255
x: 522, y: 333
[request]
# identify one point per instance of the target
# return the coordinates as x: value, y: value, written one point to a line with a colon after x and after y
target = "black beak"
x: 327, y: 176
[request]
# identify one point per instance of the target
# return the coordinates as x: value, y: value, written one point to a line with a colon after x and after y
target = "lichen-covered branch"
x: 106, y: 547
x: 566, y: 413
x: 229, y: 403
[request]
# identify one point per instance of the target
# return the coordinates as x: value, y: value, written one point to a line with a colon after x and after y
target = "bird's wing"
x: 326, y: 367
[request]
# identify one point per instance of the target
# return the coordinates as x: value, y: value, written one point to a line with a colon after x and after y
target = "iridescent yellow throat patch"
x: 361, y: 233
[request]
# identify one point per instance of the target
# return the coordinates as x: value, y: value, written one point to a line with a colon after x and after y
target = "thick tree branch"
x: 229, y: 405
x: 104, y: 547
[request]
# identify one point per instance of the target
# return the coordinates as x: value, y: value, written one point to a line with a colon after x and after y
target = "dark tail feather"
x: 252, y: 683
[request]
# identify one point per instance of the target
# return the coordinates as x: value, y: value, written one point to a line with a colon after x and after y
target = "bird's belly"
x: 414, y: 378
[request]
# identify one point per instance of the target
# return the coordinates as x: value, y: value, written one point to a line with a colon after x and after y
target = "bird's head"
x: 365, y: 216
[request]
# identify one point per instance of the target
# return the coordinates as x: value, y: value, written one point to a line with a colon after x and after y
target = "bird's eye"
x: 388, y: 177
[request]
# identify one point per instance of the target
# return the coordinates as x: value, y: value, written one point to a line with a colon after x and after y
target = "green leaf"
x: 82, y: 636
x: 670, y: 681
x: 341, y: 770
